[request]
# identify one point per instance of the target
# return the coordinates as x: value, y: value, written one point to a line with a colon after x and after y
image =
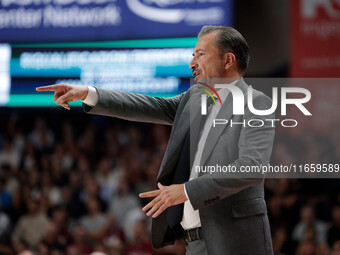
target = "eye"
x: 198, y: 54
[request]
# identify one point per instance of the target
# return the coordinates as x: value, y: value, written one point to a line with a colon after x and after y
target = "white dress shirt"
x: 92, y: 97
x: 191, y: 218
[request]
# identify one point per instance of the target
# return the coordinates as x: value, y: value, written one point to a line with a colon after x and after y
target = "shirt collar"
x: 223, y: 93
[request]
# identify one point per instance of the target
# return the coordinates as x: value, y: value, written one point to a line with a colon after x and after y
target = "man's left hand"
x: 165, y: 197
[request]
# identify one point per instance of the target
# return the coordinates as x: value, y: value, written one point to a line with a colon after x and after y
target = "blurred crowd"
x: 69, y: 185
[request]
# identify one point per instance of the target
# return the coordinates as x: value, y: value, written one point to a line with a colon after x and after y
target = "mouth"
x: 196, y: 73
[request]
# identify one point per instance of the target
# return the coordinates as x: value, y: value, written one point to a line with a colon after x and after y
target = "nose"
x: 193, y: 63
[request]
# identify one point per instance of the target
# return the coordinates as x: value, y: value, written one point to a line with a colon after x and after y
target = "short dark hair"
x: 228, y: 39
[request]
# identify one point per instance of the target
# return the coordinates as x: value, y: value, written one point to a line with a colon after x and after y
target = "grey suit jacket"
x: 232, y: 209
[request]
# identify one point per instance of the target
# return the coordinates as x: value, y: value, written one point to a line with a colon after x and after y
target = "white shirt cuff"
x: 185, y: 192
x: 92, y: 97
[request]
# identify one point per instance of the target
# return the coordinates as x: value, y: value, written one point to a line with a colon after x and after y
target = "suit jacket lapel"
x: 178, y: 133
x: 226, y: 113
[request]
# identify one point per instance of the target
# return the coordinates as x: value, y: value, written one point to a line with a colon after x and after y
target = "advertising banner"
x: 315, y: 41
x: 79, y: 20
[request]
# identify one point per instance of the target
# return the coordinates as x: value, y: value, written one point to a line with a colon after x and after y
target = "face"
x: 206, y: 62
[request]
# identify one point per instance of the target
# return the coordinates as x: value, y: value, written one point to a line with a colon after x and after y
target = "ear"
x: 229, y: 60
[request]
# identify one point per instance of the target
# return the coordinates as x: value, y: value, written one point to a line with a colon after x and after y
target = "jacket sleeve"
x: 135, y: 107
x: 254, y: 146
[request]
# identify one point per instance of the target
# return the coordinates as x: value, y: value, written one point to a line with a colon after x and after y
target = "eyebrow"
x: 197, y: 51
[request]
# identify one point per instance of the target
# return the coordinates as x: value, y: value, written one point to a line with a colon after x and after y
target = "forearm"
x: 254, y: 150
x: 135, y: 107
x: 218, y: 185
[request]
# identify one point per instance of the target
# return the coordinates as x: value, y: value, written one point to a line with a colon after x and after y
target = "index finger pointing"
x: 47, y: 88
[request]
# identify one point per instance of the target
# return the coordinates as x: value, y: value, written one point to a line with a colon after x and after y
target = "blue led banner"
x: 79, y: 20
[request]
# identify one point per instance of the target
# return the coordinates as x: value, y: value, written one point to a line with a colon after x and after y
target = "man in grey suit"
x: 214, y: 213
